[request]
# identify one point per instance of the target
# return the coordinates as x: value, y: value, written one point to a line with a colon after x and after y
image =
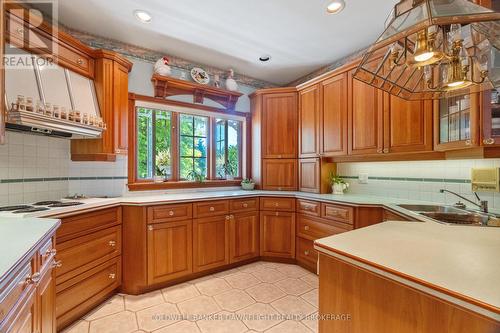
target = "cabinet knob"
x: 150, y: 227
x: 112, y: 243
x: 306, y: 252
x: 245, y: 205
x: 212, y: 209
x: 20, y: 31
x: 276, y: 204
x: 277, y: 214
x: 33, y: 278
x: 57, y: 264
x: 79, y: 61
x: 227, y: 217
x: 50, y: 251
x: 171, y: 213
x: 306, y: 227
x: 380, y: 151
x: 386, y: 150
x: 468, y: 142
x: 489, y: 141
x: 112, y: 276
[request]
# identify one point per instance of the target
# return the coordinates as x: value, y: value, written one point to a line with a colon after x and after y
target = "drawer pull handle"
x: 79, y: 61
x: 245, y: 205
x: 306, y: 252
x: 50, y: 251
x: 171, y: 213
x: 489, y: 141
x: 227, y: 217
x: 212, y: 209
x: 57, y: 264
x: 277, y: 214
x: 112, y: 243
x: 276, y: 204
x: 112, y: 276
x: 306, y: 227
x: 386, y: 150
x: 33, y: 279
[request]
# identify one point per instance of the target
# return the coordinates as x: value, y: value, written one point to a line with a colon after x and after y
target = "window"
x: 176, y: 146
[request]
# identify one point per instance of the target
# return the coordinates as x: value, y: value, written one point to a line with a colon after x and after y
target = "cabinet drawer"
x: 81, y: 254
x: 281, y: 204
x: 86, y: 223
x: 78, y: 295
x: 306, y: 252
x: 168, y: 213
x: 244, y: 205
x: 211, y: 208
x: 75, y: 60
x: 46, y: 253
x: 308, y: 207
x: 15, y: 289
x: 314, y: 228
x: 337, y: 213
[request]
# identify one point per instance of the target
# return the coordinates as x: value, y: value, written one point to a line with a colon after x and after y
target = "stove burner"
x: 66, y: 204
x: 30, y: 210
x: 46, y: 203
x: 10, y: 208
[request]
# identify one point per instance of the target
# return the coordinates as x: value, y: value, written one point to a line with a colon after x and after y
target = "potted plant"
x: 247, y: 184
x: 339, y: 185
x: 196, y: 176
x: 162, y: 166
x: 229, y: 170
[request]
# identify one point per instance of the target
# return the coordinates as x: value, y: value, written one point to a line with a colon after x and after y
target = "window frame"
x: 177, y: 108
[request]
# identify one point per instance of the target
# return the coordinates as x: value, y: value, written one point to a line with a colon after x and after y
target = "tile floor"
x: 258, y: 297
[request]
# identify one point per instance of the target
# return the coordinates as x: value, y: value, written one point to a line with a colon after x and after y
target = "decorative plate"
x: 199, y: 75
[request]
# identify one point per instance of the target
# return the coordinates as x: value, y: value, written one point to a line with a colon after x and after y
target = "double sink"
x: 451, y: 215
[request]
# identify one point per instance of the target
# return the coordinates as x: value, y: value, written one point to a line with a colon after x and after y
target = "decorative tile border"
x: 53, y: 179
x: 411, y: 179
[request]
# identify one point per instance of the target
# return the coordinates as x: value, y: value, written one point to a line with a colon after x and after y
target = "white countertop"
x: 18, y: 237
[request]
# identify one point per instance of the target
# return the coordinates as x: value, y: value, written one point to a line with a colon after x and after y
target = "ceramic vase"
x: 162, y: 67
x: 339, y: 188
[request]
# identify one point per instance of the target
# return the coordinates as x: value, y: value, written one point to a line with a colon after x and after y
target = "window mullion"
x: 153, y: 144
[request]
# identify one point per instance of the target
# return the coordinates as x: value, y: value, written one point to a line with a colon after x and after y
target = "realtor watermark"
x: 28, y: 34
x: 252, y: 317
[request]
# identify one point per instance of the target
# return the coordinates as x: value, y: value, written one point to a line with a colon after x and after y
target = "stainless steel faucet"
x: 483, y: 204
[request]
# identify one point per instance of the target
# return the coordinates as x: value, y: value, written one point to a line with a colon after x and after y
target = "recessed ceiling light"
x: 143, y: 16
x: 336, y: 6
x: 265, y: 58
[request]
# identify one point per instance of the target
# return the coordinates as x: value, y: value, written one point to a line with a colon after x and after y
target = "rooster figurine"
x: 231, y: 84
x: 162, y: 67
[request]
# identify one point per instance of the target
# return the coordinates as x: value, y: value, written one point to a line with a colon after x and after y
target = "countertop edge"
x: 461, y: 300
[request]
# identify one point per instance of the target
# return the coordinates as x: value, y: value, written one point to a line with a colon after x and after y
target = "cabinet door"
x: 490, y: 110
x: 277, y: 234
x: 279, y: 125
x: 334, y: 116
x: 244, y: 231
x: 279, y: 174
x: 408, y: 125
x: 365, y: 118
x: 169, y: 251
x: 120, y: 108
x: 47, y: 302
x: 309, y: 122
x: 309, y: 175
x: 210, y: 242
x: 25, y: 320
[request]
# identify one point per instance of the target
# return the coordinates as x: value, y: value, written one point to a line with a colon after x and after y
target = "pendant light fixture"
x: 435, y: 48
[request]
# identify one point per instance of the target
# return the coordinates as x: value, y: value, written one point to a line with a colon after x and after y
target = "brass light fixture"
x: 435, y: 48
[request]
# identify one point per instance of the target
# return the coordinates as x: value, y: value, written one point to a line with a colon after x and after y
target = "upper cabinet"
x: 309, y: 122
x: 365, y: 118
x: 333, y: 127
x: 491, y: 117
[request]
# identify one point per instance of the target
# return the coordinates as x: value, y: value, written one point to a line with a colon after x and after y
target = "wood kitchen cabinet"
x: 3, y: 111
x: 244, y: 236
x: 309, y: 175
x: 279, y: 174
x: 169, y: 251
x: 490, y: 110
x: 47, y: 301
x: 309, y: 122
x: 277, y: 234
x: 210, y: 242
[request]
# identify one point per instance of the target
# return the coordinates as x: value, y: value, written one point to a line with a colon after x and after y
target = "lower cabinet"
x: 244, y: 236
x: 277, y: 234
x: 170, y: 253
x: 210, y: 242
x: 47, y: 301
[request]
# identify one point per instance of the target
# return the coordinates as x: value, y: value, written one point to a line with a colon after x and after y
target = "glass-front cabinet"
x: 491, y: 117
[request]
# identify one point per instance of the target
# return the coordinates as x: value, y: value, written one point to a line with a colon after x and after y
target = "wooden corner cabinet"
x: 3, y: 111
x: 111, y: 83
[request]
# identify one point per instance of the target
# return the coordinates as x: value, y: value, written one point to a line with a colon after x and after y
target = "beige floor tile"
x: 293, y: 271
x: 311, y: 297
x: 198, y: 306
x: 265, y: 292
x: 293, y: 286
x: 122, y: 322
x: 293, y: 306
x: 311, y: 279
x: 201, y: 279
x: 312, y: 322
x: 289, y: 326
x: 259, y: 316
x: 227, y: 272
x: 139, y: 302
x: 184, y: 326
x: 269, y: 275
x: 158, y: 316
x: 180, y: 292
x: 233, y: 300
x: 212, y: 286
x: 242, y: 280
x: 249, y: 268
x: 80, y: 326
x: 269, y: 264
x: 113, y: 305
x: 222, y: 322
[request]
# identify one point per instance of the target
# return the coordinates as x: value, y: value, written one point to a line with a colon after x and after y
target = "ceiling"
x: 298, y: 34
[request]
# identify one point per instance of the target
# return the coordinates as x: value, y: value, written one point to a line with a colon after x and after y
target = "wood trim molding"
x: 272, y: 91
x: 150, y: 186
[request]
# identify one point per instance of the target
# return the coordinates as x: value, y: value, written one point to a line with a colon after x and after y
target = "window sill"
x: 151, y: 186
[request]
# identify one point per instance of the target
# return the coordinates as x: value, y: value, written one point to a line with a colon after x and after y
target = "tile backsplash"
x: 419, y: 180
